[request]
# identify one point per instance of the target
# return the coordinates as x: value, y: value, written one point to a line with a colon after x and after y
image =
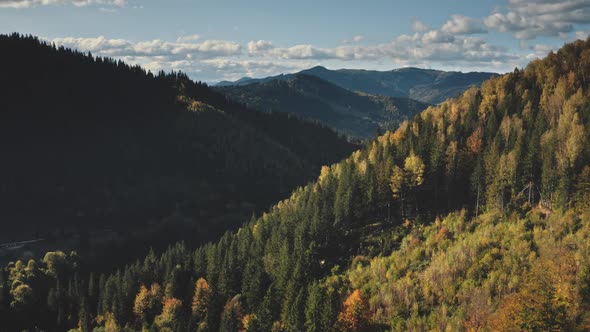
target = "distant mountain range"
x: 425, y: 85
x: 352, y: 113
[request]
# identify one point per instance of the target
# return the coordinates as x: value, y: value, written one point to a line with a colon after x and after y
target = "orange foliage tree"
x: 201, y: 299
x: 169, y: 320
x: 354, y: 315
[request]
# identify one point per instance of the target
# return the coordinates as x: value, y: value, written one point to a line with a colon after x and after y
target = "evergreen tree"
x: 313, y: 308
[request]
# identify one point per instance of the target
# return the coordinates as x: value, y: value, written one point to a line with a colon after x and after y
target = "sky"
x: 214, y: 40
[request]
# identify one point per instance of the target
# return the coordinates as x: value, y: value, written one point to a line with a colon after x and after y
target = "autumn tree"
x: 232, y: 315
x: 170, y: 318
x: 251, y: 323
x: 148, y: 303
x: 355, y: 314
x: 403, y: 182
x: 110, y: 324
x: 201, y: 300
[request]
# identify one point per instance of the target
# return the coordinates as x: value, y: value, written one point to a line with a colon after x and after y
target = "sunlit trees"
x: 148, y: 303
x: 201, y: 300
x: 403, y: 182
x: 170, y: 319
x: 354, y: 315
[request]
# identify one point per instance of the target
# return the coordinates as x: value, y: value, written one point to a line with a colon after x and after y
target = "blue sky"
x: 216, y: 40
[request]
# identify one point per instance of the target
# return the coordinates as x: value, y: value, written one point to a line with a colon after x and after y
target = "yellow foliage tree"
x: 111, y: 324
x: 414, y: 168
x: 168, y: 320
x: 147, y: 302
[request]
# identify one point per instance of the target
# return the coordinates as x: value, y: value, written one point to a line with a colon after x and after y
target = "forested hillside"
x: 472, y: 216
x: 96, y: 151
x: 353, y: 114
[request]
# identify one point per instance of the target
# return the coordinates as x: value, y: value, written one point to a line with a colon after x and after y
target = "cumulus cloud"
x: 237, y: 68
x: 257, y: 47
x: 437, y: 36
x: 462, y: 25
x: 177, y: 50
x: 527, y: 19
x: 77, y: 3
x: 451, y: 46
x: 208, y: 60
x: 431, y: 46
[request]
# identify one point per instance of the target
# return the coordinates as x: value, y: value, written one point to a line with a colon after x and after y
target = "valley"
x: 136, y: 197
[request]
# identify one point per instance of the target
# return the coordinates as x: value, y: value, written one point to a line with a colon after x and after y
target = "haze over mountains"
x: 424, y: 85
x: 351, y: 113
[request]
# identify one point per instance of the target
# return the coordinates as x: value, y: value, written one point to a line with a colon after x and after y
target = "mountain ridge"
x: 426, y: 85
x: 357, y: 115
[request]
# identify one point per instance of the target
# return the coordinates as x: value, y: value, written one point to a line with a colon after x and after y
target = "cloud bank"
x: 459, y: 43
x: 527, y: 19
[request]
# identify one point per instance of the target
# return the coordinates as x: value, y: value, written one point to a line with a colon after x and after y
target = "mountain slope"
x: 364, y: 247
x: 93, y: 144
x: 312, y: 98
x: 425, y: 85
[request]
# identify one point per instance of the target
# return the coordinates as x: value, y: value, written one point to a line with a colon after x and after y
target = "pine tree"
x: 313, y: 308
x: 296, y: 318
x: 265, y: 311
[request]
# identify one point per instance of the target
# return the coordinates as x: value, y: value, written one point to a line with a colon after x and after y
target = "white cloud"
x: 77, y: 3
x: 462, y: 25
x: 257, y: 47
x: 527, y: 19
x: 433, y: 46
x: 450, y: 46
x: 178, y: 50
x: 236, y: 68
x: 437, y: 36
x: 418, y: 26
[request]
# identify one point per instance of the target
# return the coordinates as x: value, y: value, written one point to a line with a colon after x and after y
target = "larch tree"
x: 355, y: 314
x: 200, y: 300
x: 170, y: 318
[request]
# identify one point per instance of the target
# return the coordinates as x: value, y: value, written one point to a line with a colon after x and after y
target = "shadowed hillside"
x: 354, y: 114
x: 92, y: 144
